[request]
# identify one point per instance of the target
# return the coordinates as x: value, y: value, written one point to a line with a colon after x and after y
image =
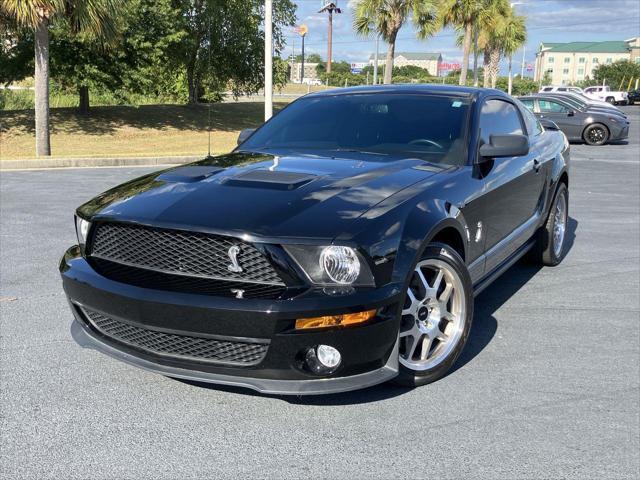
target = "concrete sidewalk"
x: 42, y: 163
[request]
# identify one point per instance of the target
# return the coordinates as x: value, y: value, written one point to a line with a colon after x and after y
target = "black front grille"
x: 179, y: 283
x: 178, y: 346
x: 178, y: 252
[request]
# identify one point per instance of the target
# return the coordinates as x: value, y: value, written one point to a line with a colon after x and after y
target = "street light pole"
x: 524, y: 51
x: 268, y: 59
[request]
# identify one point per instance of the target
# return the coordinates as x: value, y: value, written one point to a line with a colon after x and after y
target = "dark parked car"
x: 591, y: 125
x: 634, y: 97
x: 583, y: 103
x: 339, y: 246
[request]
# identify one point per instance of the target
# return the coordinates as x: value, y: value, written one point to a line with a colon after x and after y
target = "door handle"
x: 536, y: 165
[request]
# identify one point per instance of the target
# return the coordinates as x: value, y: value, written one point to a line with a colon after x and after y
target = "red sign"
x: 448, y: 66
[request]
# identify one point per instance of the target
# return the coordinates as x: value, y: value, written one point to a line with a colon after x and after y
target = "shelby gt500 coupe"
x: 340, y: 245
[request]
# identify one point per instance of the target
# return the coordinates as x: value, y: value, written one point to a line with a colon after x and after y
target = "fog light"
x: 328, y: 356
x: 322, y: 359
x: 335, y: 320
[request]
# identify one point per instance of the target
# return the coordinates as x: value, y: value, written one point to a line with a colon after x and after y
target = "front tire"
x: 436, y: 316
x: 596, y: 134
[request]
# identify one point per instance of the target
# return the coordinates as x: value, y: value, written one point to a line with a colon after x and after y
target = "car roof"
x: 412, y: 88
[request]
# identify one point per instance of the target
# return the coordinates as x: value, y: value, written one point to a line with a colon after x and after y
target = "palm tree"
x: 513, y: 34
x: 503, y: 36
x: 462, y: 14
x: 95, y: 18
x: 386, y: 17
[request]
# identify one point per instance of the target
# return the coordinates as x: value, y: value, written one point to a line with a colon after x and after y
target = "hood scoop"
x: 272, y: 179
x: 190, y: 174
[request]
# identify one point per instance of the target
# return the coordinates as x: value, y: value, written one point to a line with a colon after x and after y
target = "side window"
x: 499, y: 117
x: 528, y: 102
x: 547, y: 106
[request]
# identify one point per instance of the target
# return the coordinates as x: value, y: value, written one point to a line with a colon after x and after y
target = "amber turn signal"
x: 347, y: 319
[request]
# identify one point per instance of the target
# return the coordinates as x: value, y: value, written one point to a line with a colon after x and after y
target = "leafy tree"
x: 616, y: 74
x: 311, y: 58
x: 92, y: 18
x: 236, y: 47
x: 386, y: 17
x: 462, y: 14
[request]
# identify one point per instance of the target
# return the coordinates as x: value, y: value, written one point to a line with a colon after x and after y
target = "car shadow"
x: 482, y: 332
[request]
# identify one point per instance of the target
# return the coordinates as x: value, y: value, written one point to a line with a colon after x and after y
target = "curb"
x: 41, y: 163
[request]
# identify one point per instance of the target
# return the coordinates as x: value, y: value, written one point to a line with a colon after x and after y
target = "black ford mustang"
x: 339, y: 246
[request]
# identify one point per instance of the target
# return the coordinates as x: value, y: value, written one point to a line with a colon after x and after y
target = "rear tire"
x: 550, y: 245
x: 436, y: 316
x: 596, y: 134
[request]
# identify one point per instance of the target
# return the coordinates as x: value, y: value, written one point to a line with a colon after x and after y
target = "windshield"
x: 428, y: 127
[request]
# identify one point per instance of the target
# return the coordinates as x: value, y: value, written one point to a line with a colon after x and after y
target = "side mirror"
x: 570, y: 113
x: 244, y: 134
x: 548, y: 124
x: 505, y: 146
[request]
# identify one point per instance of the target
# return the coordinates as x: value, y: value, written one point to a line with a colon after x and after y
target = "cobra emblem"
x: 234, y: 266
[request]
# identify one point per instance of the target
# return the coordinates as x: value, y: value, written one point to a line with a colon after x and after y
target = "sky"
x: 547, y: 21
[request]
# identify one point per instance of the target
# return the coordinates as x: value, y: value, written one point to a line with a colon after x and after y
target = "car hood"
x: 262, y: 195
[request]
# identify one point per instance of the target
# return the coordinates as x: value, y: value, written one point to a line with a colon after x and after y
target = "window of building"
x: 609, y: 60
x: 567, y: 59
x: 565, y: 71
x: 581, y: 71
x: 551, y: 60
x: 582, y: 60
x: 595, y: 60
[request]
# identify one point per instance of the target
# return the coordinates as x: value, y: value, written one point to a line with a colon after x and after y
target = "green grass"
x: 148, y: 130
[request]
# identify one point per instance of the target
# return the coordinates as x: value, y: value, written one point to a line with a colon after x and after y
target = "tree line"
x: 194, y: 50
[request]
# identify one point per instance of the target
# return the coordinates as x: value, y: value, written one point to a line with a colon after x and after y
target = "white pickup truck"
x: 605, y: 93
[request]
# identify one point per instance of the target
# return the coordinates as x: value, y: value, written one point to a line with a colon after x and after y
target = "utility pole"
x: 510, y: 74
x: 268, y: 60
x: 330, y: 8
x: 375, y: 61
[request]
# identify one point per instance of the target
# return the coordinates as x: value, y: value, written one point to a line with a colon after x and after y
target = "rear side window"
x: 499, y: 117
x: 547, y: 89
x: 547, y: 106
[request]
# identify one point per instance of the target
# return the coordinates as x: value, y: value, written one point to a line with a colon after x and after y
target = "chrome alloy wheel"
x: 559, y: 224
x: 433, y: 315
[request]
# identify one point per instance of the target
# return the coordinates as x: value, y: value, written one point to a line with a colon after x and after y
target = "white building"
x: 567, y: 63
x: 429, y: 61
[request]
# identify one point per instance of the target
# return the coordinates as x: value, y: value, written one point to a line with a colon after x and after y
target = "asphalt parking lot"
x: 548, y: 386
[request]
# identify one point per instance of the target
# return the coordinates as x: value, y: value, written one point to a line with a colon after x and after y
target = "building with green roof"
x: 571, y: 62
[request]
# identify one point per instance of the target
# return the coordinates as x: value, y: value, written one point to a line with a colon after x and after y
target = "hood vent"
x: 277, y: 180
x: 189, y: 174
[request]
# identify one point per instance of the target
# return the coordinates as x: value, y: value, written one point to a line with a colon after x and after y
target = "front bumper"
x: 369, y: 352
x: 619, y: 131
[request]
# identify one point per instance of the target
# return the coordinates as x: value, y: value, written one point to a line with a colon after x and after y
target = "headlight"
x: 341, y: 264
x: 82, y: 230
x: 332, y: 265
